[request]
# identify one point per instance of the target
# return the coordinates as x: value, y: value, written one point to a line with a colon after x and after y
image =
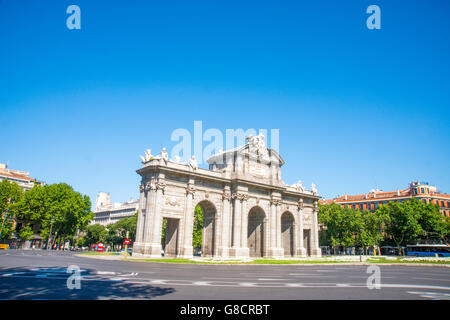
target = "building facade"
x: 22, y: 178
x: 24, y: 181
x: 247, y: 209
x: 106, y: 212
x: 372, y: 200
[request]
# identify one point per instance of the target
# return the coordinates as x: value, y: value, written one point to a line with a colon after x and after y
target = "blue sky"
x: 356, y: 108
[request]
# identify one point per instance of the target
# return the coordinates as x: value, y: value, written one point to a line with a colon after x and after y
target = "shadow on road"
x: 51, y: 283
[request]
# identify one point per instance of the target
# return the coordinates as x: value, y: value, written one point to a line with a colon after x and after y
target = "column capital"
x: 300, y: 204
x: 240, y: 196
x: 190, y: 189
x: 276, y: 202
x: 315, y: 207
x: 226, y: 195
x: 160, y: 185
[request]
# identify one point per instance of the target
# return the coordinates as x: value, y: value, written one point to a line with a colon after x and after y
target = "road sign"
x: 127, y: 241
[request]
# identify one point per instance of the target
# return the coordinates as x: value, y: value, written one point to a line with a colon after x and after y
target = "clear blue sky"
x: 356, y: 108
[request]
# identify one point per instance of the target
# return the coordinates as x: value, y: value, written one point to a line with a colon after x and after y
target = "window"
x: 421, y: 190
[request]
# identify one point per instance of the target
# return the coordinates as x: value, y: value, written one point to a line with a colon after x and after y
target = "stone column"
x: 188, y: 250
x: 225, y: 232
x: 244, y: 222
x: 266, y: 251
x: 217, y: 232
x: 301, y: 251
x: 138, y: 244
x: 236, y: 221
x: 157, y: 227
x: 316, y: 251
x: 152, y: 245
x: 278, y: 210
x: 237, y: 250
x: 275, y: 229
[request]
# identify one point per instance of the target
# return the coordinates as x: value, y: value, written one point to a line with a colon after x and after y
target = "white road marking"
x: 294, y: 285
x: 106, y: 272
x: 342, y: 285
x: 159, y: 281
x: 263, y: 279
x: 434, y: 279
x: 432, y: 295
x: 247, y: 284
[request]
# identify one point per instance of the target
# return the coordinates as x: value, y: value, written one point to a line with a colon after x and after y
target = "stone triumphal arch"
x: 247, y: 209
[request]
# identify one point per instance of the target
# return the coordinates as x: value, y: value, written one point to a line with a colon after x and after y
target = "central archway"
x: 208, y: 228
x: 255, y: 236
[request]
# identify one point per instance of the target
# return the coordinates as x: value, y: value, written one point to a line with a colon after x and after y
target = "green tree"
x: 371, y: 230
x: 431, y: 220
x: 55, y: 207
x: 95, y: 233
x: 117, y: 232
x: 26, y: 232
x: 81, y: 242
x: 341, y: 224
x: 402, y: 222
x: 10, y: 193
x: 198, y: 228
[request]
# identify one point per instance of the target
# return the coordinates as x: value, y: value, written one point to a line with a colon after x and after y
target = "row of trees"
x: 397, y: 224
x: 58, y: 211
x: 112, y: 234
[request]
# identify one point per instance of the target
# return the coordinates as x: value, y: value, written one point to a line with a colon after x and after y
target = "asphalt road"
x: 43, y: 275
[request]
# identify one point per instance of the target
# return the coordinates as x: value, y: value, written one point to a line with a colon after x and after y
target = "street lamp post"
x: 50, y: 234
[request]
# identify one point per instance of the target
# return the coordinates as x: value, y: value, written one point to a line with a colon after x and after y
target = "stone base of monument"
x: 239, y: 252
x: 316, y: 252
x: 188, y: 252
x: 276, y: 252
x: 224, y: 252
x: 151, y: 251
x: 301, y: 252
x: 137, y: 248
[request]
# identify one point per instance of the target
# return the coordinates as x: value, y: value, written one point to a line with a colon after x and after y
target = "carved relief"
x: 173, y: 201
x: 307, y: 219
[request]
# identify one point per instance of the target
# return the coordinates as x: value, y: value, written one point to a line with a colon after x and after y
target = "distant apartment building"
x: 372, y: 200
x: 22, y: 178
x: 107, y: 212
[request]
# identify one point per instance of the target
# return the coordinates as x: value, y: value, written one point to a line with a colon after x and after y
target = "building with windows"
x: 108, y: 213
x: 24, y: 181
x: 22, y: 178
x: 372, y: 200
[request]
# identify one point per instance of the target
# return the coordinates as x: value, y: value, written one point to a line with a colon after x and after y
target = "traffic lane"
x: 51, y: 283
x: 286, y: 273
x: 264, y: 276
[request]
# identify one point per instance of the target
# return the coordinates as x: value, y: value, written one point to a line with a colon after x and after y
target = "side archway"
x: 287, y: 234
x: 255, y: 234
x: 208, y: 228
